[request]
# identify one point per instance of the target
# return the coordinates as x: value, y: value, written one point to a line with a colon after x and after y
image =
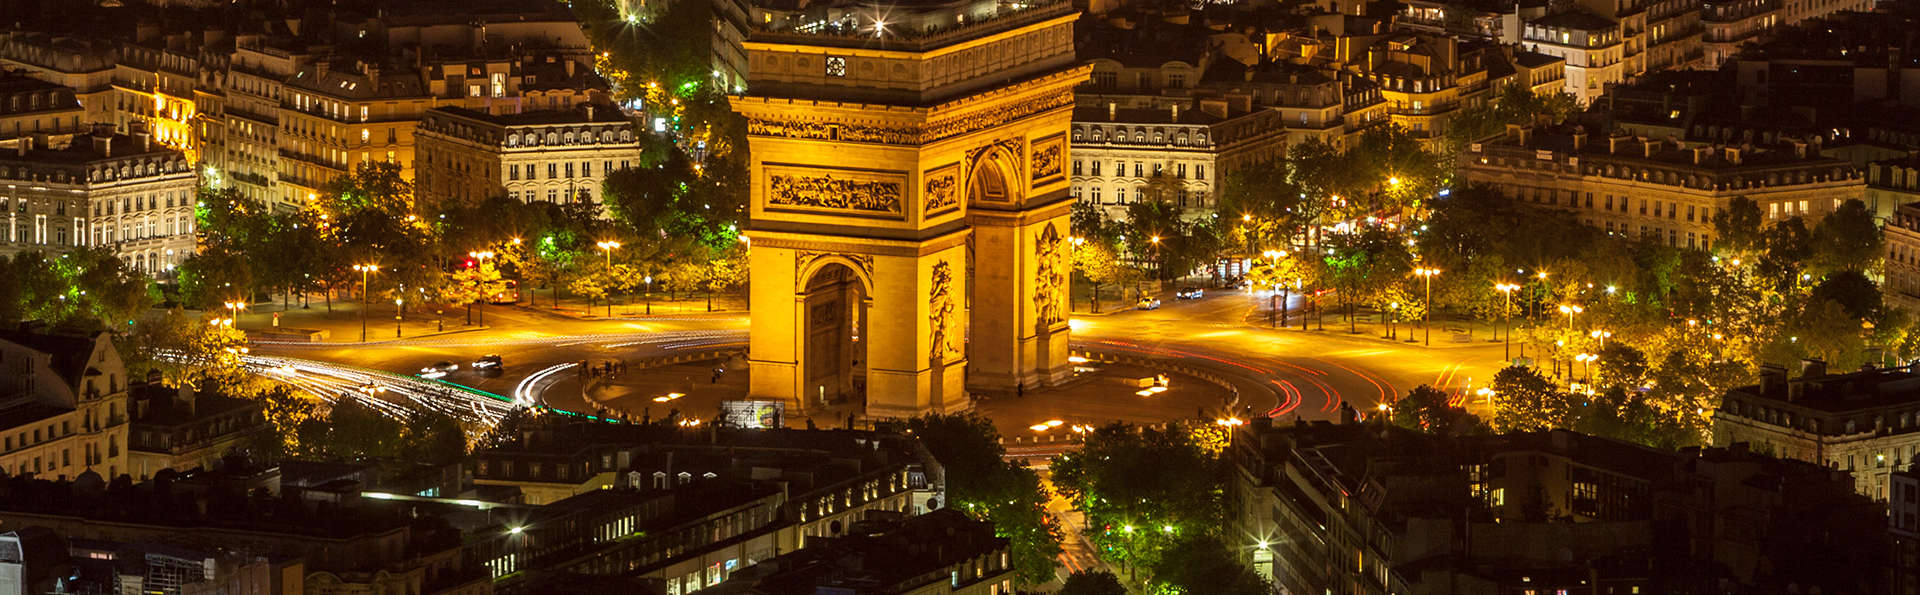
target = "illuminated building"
x: 1865, y: 423
x: 31, y: 107
x: 1659, y: 190
x: 900, y: 164
x: 116, y: 191
x: 1118, y: 153
x: 63, y: 406
x: 557, y: 156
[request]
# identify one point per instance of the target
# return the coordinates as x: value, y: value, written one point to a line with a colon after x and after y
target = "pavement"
x: 1283, y: 372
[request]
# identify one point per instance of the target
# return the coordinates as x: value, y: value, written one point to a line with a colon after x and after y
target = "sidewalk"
x: 634, y: 306
x: 1332, y: 322
x: 344, y: 323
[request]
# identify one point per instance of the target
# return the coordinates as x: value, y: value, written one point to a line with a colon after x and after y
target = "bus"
x: 509, y: 293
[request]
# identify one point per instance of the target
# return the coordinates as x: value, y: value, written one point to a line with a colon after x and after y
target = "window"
x: 1076, y: 167
x: 569, y: 169
x: 553, y: 170
x: 513, y: 172
x: 1139, y: 169
x: 1096, y: 168
x: 1199, y: 172
x: 1095, y: 196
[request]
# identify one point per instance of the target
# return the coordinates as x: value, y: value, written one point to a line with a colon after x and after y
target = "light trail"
x: 531, y: 389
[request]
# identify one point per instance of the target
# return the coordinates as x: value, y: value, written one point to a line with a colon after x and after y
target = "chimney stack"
x: 1813, y: 367
x: 373, y: 77
x: 1733, y: 155
x: 1579, y: 138
x: 103, y: 145
x: 1175, y: 111
x: 1650, y: 145
x: 1112, y: 109
x: 320, y: 68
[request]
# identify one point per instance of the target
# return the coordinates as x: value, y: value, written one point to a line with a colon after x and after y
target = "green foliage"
x: 1430, y: 410
x: 1141, y: 491
x: 1088, y: 582
x: 1201, y: 564
x: 1848, y: 239
x: 187, y: 350
x: 87, y: 289
x: 1852, y: 290
x: 982, y: 484
x: 1739, y: 226
x: 1526, y: 401
x: 354, y: 431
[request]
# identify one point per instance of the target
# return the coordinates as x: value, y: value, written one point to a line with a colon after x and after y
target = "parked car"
x: 1148, y: 303
x: 438, y: 370
x: 1190, y: 293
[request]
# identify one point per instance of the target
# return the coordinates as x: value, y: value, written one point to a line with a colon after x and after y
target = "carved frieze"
x: 1050, y: 279
x: 943, y: 190
x: 830, y: 192
x: 940, y: 314
x: 906, y: 135
x: 1048, y: 156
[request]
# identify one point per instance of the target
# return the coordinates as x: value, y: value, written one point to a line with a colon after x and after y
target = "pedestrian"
x: 716, y: 376
x: 1020, y: 390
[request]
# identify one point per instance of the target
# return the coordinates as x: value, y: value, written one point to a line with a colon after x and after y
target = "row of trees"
x: 458, y: 255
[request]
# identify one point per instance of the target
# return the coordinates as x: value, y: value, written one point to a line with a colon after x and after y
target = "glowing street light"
x: 1506, y: 313
x: 607, y: 247
x: 364, y: 269
x: 1426, y: 275
x: 480, y: 258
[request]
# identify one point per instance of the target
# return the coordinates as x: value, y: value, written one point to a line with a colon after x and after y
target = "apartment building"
x: 558, y: 156
x: 63, y: 405
x: 122, y: 192
x: 31, y: 107
x: 1662, y: 191
x: 1590, y: 44
x: 1897, y: 182
x: 1865, y: 423
x: 1121, y: 156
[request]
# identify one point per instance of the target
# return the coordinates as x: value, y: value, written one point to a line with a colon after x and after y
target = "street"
x: 1281, y: 373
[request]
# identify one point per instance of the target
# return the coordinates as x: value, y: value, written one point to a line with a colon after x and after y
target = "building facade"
x: 1901, y: 286
x: 120, y: 192
x: 63, y: 406
x: 557, y: 156
x: 1174, y: 154
x: 1866, y: 423
x: 1659, y: 190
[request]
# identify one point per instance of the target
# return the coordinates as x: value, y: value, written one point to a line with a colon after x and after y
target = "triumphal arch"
x: 910, y: 202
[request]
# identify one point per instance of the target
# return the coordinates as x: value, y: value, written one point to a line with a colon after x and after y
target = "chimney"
x: 1817, y: 141
x: 1813, y: 367
x: 1773, y: 377
x: 1517, y: 133
x: 1613, y: 144
x: 1700, y: 153
x: 1800, y: 149
x: 1174, y: 110
x: 144, y: 140
x: 1112, y: 108
x: 589, y: 112
x: 1733, y: 155
x: 569, y: 68
x: 102, y: 145
x: 320, y: 68
x: 1579, y: 138
x: 1650, y: 145
x: 20, y: 146
x: 373, y: 77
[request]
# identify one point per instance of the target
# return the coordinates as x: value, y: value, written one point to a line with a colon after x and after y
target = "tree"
x: 1090, y: 582
x: 187, y: 350
x: 1140, y: 490
x: 1526, y: 401
x: 1430, y: 409
x: 1852, y: 290
x: 981, y: 483
x: 1848, y: 239
x: 1739, y: 226
x: 1201, y: 564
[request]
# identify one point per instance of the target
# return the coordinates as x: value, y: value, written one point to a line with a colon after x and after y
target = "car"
x: 1148, y: 303
x: 438, y: 370
x: 487, y: 361
x: 1190, y: 293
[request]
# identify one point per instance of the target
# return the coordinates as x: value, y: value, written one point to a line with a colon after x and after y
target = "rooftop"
x: 69, y: 352
x: 1577, y: 20
x: 1836, y: 393
x: 893, y: 561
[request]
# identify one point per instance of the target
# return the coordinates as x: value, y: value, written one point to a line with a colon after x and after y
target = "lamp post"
x: 365, y: 269
x: 1506, y: 314
x: 1273, y: 262
x: 396, y: 317
x: 1602, y: 335
x: 1155, y: 240
x: 1570, y: 310
x: 649, y: 281
x: 1426, y: 275
x: 1093, y: 297
x: 480, y: 290
x: 607, y: 247
x: 234, y: 308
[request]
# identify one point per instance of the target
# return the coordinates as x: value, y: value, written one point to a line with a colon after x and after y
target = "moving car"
x: 487, y: 361
x: 438, y: 370
x: 1190, y: 293
x: 1148, y: 303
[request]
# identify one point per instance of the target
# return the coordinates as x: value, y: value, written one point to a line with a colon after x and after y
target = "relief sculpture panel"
x: 943, y: 190
x: 1050, y: 279
x: 856, y: 193
x: 1049, y: 154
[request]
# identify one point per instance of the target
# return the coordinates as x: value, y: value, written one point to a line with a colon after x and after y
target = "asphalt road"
x: 1281, y: 372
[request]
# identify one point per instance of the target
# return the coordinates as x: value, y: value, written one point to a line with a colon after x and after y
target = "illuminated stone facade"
x: 558, y: 156
x: 1657, y: 190
x: 910, y: 202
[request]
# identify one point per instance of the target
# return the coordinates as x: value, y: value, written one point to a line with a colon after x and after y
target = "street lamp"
x: 479, y: 287
x: 649, y: 281
x: 1602, y: 335
x: 1155, y: 240
x: 1506, y: 314
x: 607, y: 247
x: 396, y: 317
x: 234, y: 308
x: 1570, y: 310
x: 365, y: 269
x: 1426, y: 275
x: 1273, y: 261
